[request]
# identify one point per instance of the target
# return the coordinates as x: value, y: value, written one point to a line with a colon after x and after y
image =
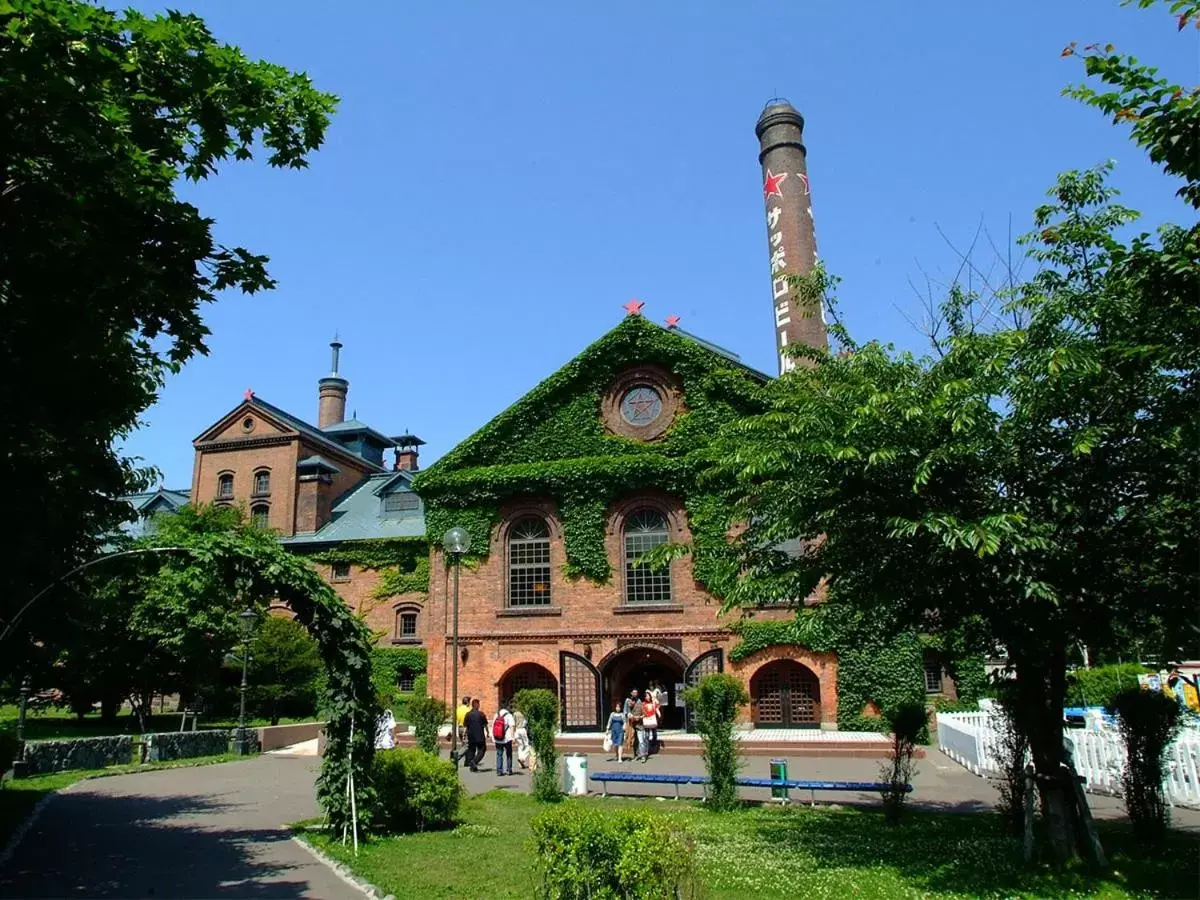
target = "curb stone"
x: 342, y: 871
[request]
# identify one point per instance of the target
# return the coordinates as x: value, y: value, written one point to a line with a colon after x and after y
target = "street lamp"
x: 19, y: 762
x: 248, y: 618
x: 455, y: 542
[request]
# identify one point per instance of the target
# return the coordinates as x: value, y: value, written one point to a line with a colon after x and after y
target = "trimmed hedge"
x: 187, y: 744
x: 81, y: 753
x: 1098, y: 686
x: 581, y: 852
x: 417, y: 790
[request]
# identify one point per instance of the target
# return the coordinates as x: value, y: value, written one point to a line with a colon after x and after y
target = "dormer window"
x: 262, y: 483
x: 225, y: 486
x: 399, y: 503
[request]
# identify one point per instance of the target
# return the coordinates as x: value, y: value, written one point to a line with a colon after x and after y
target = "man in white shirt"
x: 503, y: 727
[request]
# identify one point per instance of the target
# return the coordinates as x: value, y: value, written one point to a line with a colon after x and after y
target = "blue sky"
x: 501, y: 178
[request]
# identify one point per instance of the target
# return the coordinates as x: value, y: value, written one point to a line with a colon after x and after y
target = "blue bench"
x: 868, y: 787
x: 647, y: 778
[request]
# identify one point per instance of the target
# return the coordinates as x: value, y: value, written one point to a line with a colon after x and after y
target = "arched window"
x: 258, y: 515
x: 529, y: 563
x: 262, y: 482
x: 406, y: 625
x: 644, y: 530
x: 225, y: 486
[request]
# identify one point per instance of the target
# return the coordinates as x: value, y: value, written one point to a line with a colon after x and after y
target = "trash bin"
x: 779, y: 773
x: 575, y: 774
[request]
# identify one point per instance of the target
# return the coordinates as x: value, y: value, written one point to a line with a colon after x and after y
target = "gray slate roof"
x: 149, y: 503
x: 312, y: 433
x: 358, y: 514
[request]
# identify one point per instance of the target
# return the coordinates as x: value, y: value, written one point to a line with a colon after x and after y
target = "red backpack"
x: 499, y: 728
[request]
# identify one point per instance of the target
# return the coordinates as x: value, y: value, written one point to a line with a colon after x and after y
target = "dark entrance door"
x: 639, y: 667
x: 786, y: 695
x: 709, y: 663
x: 579, y: 693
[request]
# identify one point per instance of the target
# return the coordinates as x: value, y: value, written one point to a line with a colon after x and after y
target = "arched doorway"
x: 639, y: 667
x: 525, y: 676
x: 785, y: 694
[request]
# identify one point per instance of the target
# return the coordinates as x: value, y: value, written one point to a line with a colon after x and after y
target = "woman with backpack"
x: 503, y: 727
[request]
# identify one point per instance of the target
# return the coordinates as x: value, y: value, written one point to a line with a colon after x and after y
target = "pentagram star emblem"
x: 771, y: 185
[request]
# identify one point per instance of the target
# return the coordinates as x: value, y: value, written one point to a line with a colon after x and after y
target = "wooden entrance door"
x: 579, y: 693
x: 786, y: 695
x: 709, y: 663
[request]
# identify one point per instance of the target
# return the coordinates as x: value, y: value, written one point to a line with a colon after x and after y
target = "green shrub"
x: 1149, y: 722
x: 715, y: 702
x: 1098, y: 686
x: 426, y: 715
x: 387, y: 664
x: 417, y: 790
x: 541, y: 713
x: 581, y: 852
x: 421, y: 685
x: 284, y: 664
x: 907, y: 722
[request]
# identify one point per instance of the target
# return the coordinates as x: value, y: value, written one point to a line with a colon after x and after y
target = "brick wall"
x: 583, y: 618
x: 243, y: 462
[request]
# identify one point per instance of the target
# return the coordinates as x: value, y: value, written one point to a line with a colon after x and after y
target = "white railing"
x: 971, y: 739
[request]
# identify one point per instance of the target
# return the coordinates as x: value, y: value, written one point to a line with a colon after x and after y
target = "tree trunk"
x: 1041, y: 687
x: 108, y: 709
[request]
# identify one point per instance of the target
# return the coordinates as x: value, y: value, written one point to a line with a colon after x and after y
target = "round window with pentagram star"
x: 641, y: 406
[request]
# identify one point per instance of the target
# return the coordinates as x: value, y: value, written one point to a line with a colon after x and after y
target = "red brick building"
x: 562, y: 493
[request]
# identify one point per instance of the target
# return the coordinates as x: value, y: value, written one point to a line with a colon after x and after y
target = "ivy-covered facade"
x: 562, y: 494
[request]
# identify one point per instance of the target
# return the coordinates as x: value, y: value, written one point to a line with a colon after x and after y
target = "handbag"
x: 650, y: 722
x: 608, y: 744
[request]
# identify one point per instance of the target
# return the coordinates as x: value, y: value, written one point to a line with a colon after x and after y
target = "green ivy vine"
x: 552, y: 443
x: 403, y: 563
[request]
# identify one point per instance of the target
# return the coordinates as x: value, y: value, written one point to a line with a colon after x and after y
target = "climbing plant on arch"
x: 229, y: 565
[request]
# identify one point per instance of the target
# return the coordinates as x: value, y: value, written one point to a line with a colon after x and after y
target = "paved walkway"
x: 940, y: 782
x: 211, y: 831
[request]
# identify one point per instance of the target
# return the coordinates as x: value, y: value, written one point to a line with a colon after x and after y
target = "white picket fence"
x: 971, y: 739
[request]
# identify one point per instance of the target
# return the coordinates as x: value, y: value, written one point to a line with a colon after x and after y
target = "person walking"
x: 649, y: 732
x: 521, y: 740
x: 503, y: 727
x: 616, y: 731
x: 460, y: 713
x: 475, y: 724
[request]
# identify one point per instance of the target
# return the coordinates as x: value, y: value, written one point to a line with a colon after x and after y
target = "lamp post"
x: 19, y: 761
x: 248, y: 618
x: 455, y: 542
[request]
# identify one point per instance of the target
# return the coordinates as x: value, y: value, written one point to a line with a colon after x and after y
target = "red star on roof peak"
x: 633, y: 307
x: 672, y: 321
x: 249, y: 395
x: 772, y: 183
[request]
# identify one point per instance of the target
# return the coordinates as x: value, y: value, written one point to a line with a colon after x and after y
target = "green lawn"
x: 19, y: 796
x: 773, y: 852
x: 55, y: 723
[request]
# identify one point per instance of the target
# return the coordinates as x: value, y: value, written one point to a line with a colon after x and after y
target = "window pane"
x: 405, y: 681
x: 400, y: 502
x: 341, y: 571
x: 258, y: 516
x: 408, y: 624
x: 933, y: 676
x: 225, y: 487
x: 262, y: 483
x: 645, y: 530
x: 529, y: 563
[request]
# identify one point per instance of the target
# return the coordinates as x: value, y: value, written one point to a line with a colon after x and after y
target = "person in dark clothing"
x: 476, y: 725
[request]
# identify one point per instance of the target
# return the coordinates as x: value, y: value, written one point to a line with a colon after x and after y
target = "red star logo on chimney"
x: 672, y: 321
x: 771, y: 185
x: 633, y: 307
x: 249, y: 395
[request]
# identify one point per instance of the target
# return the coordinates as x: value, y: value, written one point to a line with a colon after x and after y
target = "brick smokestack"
x: 791, y: 240
x: 331, y: 393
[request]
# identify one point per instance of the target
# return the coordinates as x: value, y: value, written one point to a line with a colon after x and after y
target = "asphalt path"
x: 209, y: 831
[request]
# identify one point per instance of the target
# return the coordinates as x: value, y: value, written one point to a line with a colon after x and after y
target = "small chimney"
x: 406, y: 452
x: 314, y: 494
x: 791, y: 237
x: 331, y: 393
